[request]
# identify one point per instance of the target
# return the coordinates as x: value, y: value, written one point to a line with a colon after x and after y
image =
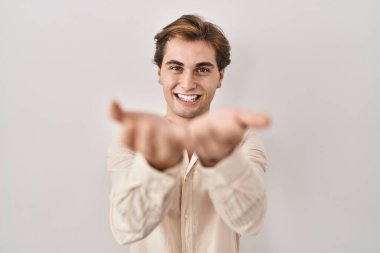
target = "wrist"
x: 209, y: 163
x: 164, y: 165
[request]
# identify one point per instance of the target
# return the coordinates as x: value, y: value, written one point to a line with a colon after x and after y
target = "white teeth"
x: 186, y: 98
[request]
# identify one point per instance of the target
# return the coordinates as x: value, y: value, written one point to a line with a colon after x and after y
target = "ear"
x: 221, y: 76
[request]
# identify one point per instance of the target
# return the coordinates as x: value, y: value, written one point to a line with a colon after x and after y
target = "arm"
x: 140, y: 195
x: 237, y: 188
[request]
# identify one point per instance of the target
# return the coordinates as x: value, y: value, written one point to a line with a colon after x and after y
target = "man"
x: 192, y: 181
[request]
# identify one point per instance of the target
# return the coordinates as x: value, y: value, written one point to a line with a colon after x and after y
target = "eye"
x: 203, y: 70
x: 175, y: 68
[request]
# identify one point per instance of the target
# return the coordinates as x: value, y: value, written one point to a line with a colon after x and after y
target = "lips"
x: 187, y: 98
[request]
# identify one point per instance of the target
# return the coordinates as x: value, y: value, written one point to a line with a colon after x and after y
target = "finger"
x: 118, y: 114
x: 247, y: 119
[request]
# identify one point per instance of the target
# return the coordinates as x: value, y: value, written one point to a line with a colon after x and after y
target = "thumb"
x: 116, y: 112
x: 251, y: 119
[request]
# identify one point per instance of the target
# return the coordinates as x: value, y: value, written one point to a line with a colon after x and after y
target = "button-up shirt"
x: 187, y: 208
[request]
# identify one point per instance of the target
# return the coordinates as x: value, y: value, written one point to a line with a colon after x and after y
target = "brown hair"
x: 192, y: 27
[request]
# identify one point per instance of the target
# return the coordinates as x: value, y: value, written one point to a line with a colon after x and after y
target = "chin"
x: 189, y: 114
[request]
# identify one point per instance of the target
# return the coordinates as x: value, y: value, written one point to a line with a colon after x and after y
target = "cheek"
x: 212, y: 84
x: 167, y: 79
x: 167, y: 84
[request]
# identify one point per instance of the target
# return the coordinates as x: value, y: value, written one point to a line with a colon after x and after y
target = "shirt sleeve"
x: 140, y: 195
x: 236, y: 186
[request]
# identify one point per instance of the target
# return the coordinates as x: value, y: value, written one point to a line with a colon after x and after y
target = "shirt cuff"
x: 227, y: 170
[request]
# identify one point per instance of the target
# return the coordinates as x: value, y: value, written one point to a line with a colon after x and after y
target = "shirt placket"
x: 187, y: 215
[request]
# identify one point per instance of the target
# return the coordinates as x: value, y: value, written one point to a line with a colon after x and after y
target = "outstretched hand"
x: 161, y: 142
x: 212, y: 136
x: 215, y: 135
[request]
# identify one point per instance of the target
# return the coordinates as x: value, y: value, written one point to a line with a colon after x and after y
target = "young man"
x: 192, y: 181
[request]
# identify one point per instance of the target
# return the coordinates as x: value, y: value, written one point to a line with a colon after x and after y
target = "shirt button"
x: 186, y: 216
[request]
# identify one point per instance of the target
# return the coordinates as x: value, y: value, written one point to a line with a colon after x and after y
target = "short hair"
x: 192, y: 28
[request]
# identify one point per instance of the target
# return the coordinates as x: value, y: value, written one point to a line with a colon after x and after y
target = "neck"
x: 178, y: 120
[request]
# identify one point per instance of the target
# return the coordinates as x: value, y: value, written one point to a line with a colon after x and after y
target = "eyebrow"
x: 174, y: 62
x: 205, y: 64
x: 199, y: 64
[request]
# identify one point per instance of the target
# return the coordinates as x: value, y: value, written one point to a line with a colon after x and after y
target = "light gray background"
x: 313, y: 65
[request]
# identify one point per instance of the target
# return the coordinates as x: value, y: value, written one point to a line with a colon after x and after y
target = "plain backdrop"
x: 313, y: 65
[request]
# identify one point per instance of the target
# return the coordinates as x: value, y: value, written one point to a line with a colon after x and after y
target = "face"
x: 189, y: 77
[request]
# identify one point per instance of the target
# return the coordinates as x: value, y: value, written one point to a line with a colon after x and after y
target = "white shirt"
x: 187, y: 208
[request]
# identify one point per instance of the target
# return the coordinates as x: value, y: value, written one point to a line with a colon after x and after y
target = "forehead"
x: 189, y: 52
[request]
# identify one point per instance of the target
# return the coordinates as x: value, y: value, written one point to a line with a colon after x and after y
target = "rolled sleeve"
x: 226, y: 171
x: 236, y: 187
x: 140, y: 195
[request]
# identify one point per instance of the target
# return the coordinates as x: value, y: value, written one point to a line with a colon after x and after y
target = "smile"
x: 187, y: 98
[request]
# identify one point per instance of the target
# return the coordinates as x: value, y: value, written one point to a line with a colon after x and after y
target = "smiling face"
x: 189, y: 77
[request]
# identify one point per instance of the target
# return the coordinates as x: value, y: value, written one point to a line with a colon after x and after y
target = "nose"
x: 187, y: 82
